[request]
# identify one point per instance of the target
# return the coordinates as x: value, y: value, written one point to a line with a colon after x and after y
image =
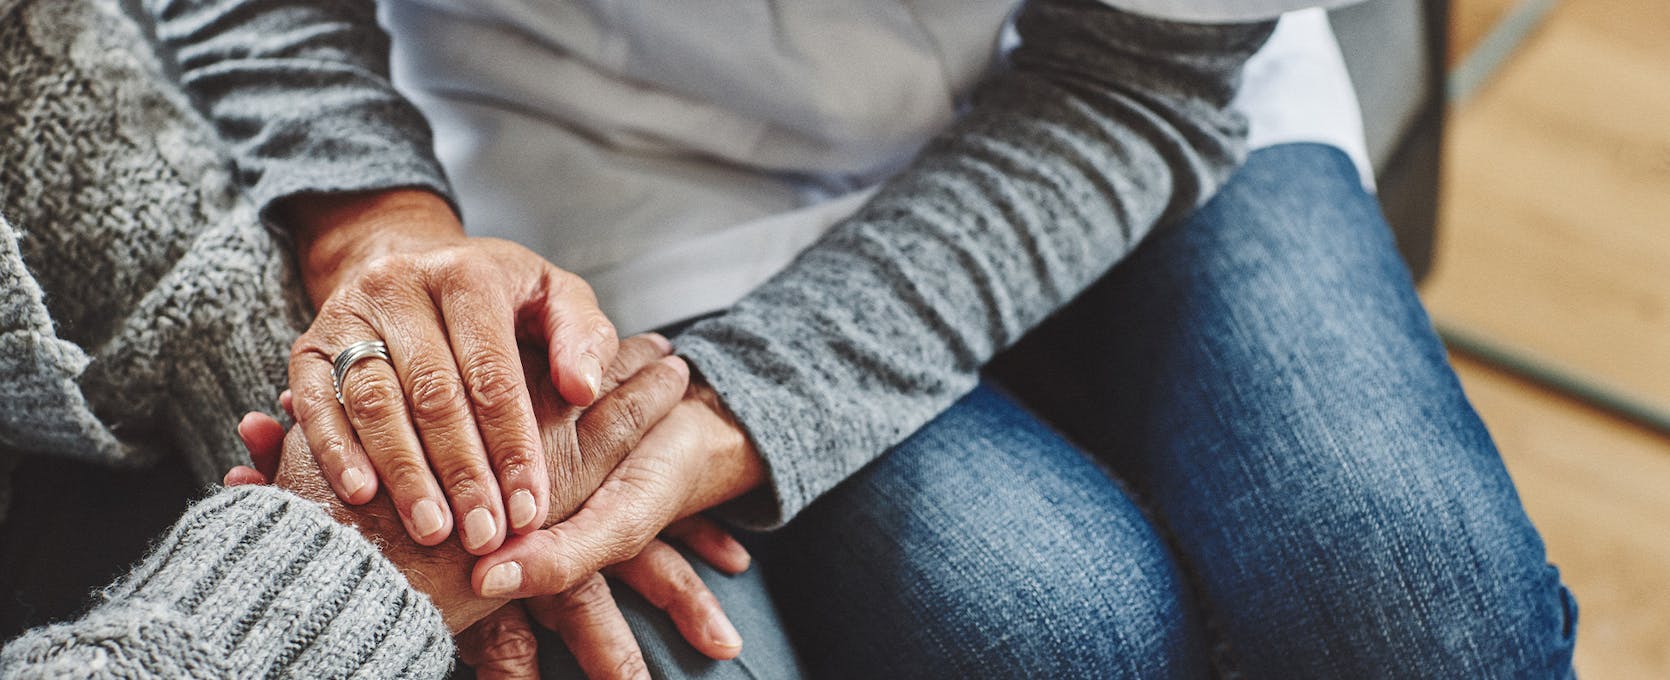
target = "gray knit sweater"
x: 1105, y: 125
x: 143, y: 310
x: 253, y: 582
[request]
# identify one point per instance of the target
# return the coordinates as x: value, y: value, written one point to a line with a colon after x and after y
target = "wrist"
x: 335, y: 234
x: 734, y: 458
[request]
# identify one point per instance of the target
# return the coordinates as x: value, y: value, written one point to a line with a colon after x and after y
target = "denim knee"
x: 984, y: 546
x: 1381, y: 559
x: 1309, y: 446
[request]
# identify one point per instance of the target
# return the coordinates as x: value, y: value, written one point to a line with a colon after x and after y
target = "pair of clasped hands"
x: 521, y: 477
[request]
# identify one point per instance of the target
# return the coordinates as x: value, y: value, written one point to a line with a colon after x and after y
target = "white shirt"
x: 676, y: 155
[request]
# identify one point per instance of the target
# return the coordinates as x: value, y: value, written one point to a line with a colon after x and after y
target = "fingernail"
x: 478, y: 528
x: 522, y: 508
x: 427, y: 517
x: 592, y: 373
x: 502, y: 580
x: 719, y: 630
x: 660, y: 341
x: 352, y: 481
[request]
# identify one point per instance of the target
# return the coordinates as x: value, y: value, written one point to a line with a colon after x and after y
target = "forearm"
x: 300, y: 91
x: 1106, y: 124
x: 252, y: 582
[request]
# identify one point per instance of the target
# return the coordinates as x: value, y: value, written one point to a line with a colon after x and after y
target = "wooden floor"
x: 1555, y: 239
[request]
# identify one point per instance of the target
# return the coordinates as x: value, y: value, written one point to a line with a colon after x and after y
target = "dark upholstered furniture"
x: 1395, y: 51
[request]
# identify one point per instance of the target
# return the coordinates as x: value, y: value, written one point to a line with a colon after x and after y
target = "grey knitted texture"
x: 301, y: 92
x: 1107, y: 124
x: 144, y: 308
x: 252, y: 582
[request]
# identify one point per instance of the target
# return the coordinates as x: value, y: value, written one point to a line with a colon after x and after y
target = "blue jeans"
x: 1257, y: 462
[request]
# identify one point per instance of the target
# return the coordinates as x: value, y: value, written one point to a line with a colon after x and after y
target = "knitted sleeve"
x: 252, y: 582
x: 1105, y: 124
x: 300, y: 90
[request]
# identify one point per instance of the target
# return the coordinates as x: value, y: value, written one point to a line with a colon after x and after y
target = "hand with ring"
x: 641, y: 387
x: 410, y: 379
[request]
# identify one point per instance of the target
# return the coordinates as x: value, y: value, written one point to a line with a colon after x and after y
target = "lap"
x: 1264, y: 374
x: 983, y: 546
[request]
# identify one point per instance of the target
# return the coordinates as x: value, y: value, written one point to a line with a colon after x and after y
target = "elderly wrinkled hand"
x: 695, y: 458
x: 436, y: 408
x: 643, y: 385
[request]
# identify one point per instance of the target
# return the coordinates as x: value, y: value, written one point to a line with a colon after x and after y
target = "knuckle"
x: 603, y: 329
x: 592, y: 592
x: 407, y: 476
x: 611, y: 437
x: 308, y: 402
x: 333, y: 447
x: 515, y: 457
x: 631, y: 665
x: 635, y: 542
x: 435, y: 394
x: 373, y: 396
x: 564, y: 281
x: 686, y: 585
x: 507, y: 642
x: 495, y: 387
x: 386, y: 274
x: 304, y: 344
x: 635, y: 533
x: 464, y: 481
x: 455, y: 264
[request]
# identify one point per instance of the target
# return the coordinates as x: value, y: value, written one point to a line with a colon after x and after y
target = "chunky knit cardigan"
x: 143, y: 309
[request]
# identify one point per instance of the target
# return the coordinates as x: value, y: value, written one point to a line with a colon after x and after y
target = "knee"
x: 1422, y: 566
x: 1005, y: 553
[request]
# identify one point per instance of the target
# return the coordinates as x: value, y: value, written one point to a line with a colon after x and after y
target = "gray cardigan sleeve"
x: 1105, y: 124
x: 300, y: 90
x: 252, y: 582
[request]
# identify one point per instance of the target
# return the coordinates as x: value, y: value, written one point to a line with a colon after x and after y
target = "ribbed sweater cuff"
x: 397, y: 165
x: 252, y: 582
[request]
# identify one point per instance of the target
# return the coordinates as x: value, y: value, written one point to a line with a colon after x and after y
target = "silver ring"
x: 351, y: 355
